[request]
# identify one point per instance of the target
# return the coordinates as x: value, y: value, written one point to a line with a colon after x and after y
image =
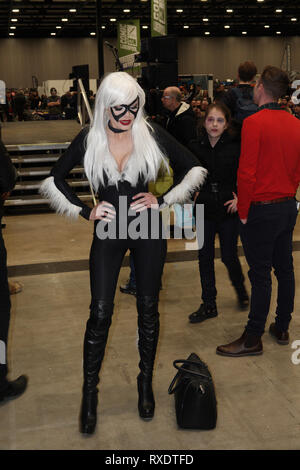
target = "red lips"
x: 125, y: 123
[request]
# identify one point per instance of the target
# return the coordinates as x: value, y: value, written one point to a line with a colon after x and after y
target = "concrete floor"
x: 258, y: 397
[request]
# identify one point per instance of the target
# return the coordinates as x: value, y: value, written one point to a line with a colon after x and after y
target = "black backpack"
x: 244, y: 105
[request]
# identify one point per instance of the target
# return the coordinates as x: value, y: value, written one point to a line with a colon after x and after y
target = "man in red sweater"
x: 268, y: 178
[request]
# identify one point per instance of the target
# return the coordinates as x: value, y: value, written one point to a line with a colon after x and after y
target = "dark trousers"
x: 267, y: 241
x: 4, y: 310
x: 228, y: 235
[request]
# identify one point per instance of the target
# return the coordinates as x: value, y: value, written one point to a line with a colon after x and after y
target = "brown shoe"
x: 282, y: 337
x: 246, y: 345
x: 15, y: 287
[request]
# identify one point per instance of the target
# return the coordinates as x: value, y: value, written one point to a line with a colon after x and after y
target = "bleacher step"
x: 42, y: 171
x: 31, y: 185
x: 36, y: 199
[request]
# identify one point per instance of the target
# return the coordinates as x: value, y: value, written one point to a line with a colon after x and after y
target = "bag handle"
x: 182, y: 369
x: 170, y: 391
x: 192, y: 372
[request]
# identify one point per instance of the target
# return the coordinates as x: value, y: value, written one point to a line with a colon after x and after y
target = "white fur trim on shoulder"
x: 57, y: 200
x: 190, y: 183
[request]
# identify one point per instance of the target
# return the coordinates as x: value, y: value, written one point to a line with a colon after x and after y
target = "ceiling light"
x: 11, y: 34
x: 278, y: 10
x: 112, y: 19
x: 260, y: 1
x: 53, y: 34
x: 58, y: 27
x: 203, y: 0
x: 126, y: 10
x: 229, y: 10
x: 244, y: 32
x: 186, y: 26
x: 278, y: 32
x: 12, y: 27
x: 93, y: 34
x: 205, y: 19
x: 14, y: 20
x: 102, y: 27
x: 179, y: 10
x: 267, y: 26
x: 145, y: 26
x: 293, y: 19
x: 72, y: 10
x: 64, y: 20
x: 15, y: 10
x: 226, y: 26
x: 207, y: 33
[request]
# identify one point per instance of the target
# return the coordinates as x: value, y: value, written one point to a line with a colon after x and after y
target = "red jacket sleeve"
x: 246, y: 178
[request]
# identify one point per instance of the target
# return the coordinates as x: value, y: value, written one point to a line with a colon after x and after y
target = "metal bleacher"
x: 34, y: 163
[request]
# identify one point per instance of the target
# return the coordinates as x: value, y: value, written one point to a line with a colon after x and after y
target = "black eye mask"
x: 119, y: 111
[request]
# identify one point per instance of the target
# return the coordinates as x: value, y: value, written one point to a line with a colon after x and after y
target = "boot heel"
x: 146, y: 403
x: 88, y: 413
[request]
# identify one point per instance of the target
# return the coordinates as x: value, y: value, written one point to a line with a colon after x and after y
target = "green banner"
x: 129, y: 44
x: 129, y: 38
x: 159, y: 17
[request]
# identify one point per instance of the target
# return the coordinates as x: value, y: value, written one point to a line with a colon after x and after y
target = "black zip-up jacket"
x: 8, y: 174
x: 222, y: 162
x: 181, y: 124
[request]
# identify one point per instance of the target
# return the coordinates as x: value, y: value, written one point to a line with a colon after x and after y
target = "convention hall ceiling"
x: 77, y: 18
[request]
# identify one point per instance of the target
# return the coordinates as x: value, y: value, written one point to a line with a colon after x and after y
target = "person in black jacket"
x: 239, y: 99
x: 8, y: 389
x: 181, y: 122
x: 218, y: 151
x: 19, y: 105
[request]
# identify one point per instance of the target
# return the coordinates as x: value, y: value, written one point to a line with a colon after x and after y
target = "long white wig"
x: 121, y: 88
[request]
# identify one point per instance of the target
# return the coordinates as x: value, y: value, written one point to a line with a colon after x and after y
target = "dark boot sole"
x: 148, y: 418
x: 258, y: 353
x: 126, y: 291
x: 87, y: 430
x: 278, y: 341
x: 201, y: 320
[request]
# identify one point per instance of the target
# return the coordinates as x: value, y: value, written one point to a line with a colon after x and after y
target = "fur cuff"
x: 57, y: 200
x: 184, y: 190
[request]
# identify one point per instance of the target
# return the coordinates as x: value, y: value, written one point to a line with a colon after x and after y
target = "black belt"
x: 272, y: 201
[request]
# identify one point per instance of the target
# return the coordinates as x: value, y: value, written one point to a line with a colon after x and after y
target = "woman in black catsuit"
x: 122, y: 152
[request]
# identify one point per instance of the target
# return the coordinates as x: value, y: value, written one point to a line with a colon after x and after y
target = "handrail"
x: 81, y: 116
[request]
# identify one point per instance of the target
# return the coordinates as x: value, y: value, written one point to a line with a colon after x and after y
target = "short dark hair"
x: 247, y: 71
x: 220, y: 107
x: 275, y: 81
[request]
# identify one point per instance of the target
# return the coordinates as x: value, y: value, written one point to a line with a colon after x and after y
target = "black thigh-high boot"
x: 148, y: 327
x: 93, y: 352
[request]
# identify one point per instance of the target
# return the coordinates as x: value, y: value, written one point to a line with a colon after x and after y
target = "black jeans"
x: 228, y: 235
x: 267, y: 241
x: 4, y: 310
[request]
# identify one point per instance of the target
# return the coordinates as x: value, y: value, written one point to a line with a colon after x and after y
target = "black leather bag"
x: 194, y: 392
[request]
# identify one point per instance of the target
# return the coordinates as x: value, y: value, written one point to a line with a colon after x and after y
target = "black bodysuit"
x: 106, y: 255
